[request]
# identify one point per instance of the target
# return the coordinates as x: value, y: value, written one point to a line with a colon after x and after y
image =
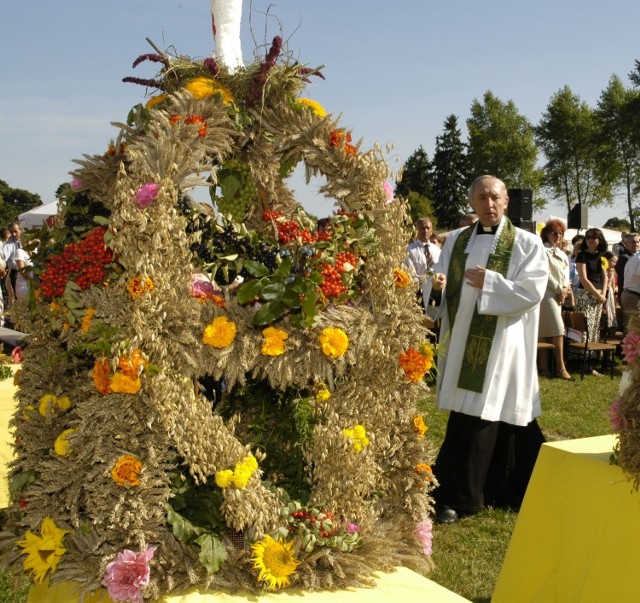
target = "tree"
x: 618, y: 224
x: 416, y: 179
x: 14, y: 201
x: 568, y: 137
x: 449, y: 175
x: 619, y: 143
x: 501, y: 143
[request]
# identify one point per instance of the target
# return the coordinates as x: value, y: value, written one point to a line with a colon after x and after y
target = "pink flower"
x: 126, y: 576
x: 76, y: 184
x: 352, y: 528
x: 201, y: 286
x: 388, y: 189
x: 423, y: 533
x: 147, y: 194
x: 616, y: 419
x: 16, y: 354
x: 631, y: 347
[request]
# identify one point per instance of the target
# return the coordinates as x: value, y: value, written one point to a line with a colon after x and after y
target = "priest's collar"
x: 487, y: 229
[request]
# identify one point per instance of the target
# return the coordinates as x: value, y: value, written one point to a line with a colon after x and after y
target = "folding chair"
x: 551, y: 358
x: 578, y: 322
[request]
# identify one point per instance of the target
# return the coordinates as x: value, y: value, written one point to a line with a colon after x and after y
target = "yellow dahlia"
x: 274, y: 560
x: 44, y: 551
x: 334, y: 342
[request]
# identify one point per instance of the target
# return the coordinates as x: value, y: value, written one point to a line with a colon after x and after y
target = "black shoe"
x: 447, y: 515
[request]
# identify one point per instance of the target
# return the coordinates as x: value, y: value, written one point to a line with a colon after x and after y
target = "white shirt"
x: 416, y: 264
x: 510, y: 392
x: 632, y: 273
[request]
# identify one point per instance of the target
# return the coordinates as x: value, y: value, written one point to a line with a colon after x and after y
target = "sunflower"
x: 44, y: 551
x: 275, y: 560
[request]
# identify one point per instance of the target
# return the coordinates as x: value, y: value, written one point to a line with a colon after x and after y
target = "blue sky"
x: 394, y: 70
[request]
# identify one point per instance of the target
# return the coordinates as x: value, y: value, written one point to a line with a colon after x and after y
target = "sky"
x: 394, y: 70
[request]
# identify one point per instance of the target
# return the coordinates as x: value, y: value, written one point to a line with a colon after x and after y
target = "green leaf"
x: 269, y: 312
x: 272, y: 292
x: 21, y: 481
x: 249, y: 291
x: 213, y: 554
x: 256, y: 269
x: 229, y: 186
x: 102, y: 220
x: 182, y: 528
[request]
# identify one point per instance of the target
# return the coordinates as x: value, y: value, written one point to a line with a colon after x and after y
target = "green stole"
x: 483, y: 327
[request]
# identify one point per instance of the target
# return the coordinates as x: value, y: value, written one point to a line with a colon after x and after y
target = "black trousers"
x: 485, y: 463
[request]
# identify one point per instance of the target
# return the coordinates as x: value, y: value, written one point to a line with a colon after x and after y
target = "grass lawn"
x: 469, y: 554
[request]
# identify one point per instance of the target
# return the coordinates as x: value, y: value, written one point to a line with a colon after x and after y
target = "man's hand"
x: 475, y: 277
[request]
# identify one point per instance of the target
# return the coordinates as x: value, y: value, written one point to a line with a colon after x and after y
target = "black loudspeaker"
x: 528, y: 225
x: 577, y: 217
x: 520, y: 208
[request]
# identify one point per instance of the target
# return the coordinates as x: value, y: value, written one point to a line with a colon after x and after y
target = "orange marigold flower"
x: 126, y: 471
x: 419, y: 425
x: 101, y: 378
x: 220, y: 333
x: 400, y: 278
x: 175, y: 118
x: 350, y: 150
x: 336, y: 137
x: 87, y: 320
x: 133, y: 365
x: 424, y: 468
x: 139, y: 286
x: 414, y: 364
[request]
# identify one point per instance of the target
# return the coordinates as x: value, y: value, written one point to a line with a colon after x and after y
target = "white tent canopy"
x: 37, y: 216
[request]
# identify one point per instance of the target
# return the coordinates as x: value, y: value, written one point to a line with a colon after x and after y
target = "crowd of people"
x: 501, y: 291
x: 14, y: 268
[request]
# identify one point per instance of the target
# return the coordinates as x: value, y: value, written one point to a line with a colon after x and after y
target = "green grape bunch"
x: 237, y: 189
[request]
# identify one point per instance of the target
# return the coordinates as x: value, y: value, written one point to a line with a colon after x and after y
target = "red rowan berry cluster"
x: 346, y: 257
x: 319, y: 522
x: 332, y: 285
x: 82, y: 262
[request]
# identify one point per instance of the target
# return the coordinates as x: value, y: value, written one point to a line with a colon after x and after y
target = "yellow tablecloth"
x: 7, y: 406
x: 402, y: 586
x: 577, y: 537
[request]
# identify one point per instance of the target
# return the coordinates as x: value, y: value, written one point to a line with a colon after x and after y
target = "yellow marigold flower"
x: 52, y: 403
x: 334, y: 342
x: 205, y: 87
x: 419, y: 425
x: 62, y: 446
x: 241, y: 477
x: 156, y: 100
x: 126, y: 471
x: 100, y: 376
x: 322, y: 395
x: 220, y: 333
x: 224, y: 478
x: 273, y: 344
x: 358, y: 437
x: 400, y: 278
x: 28, y: 412
x: 124, y: 384
x: 139, y: 286
x: 274, y: 560
x: 427, y: 351
x: 87, y: 320
x: 316, y: 107
x: 54, y: 306
x: 43, y: 552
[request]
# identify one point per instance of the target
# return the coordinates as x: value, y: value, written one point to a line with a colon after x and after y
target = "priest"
x: 494, y: 276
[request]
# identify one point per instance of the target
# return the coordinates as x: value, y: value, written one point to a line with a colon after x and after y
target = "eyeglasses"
x: 558, y: 234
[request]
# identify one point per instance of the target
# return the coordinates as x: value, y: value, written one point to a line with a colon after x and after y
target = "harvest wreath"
x: 224, y: 401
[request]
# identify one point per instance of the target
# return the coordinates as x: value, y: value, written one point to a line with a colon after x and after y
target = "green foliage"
x: 420, y: 207
x: 501, y: 143
x: 617, y: 224
x: 619, y: 142
x: 280, y: 424
x: 416, y: 175
x: 450, y: 176
x: 14, y: 201
x: 568, y: 137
